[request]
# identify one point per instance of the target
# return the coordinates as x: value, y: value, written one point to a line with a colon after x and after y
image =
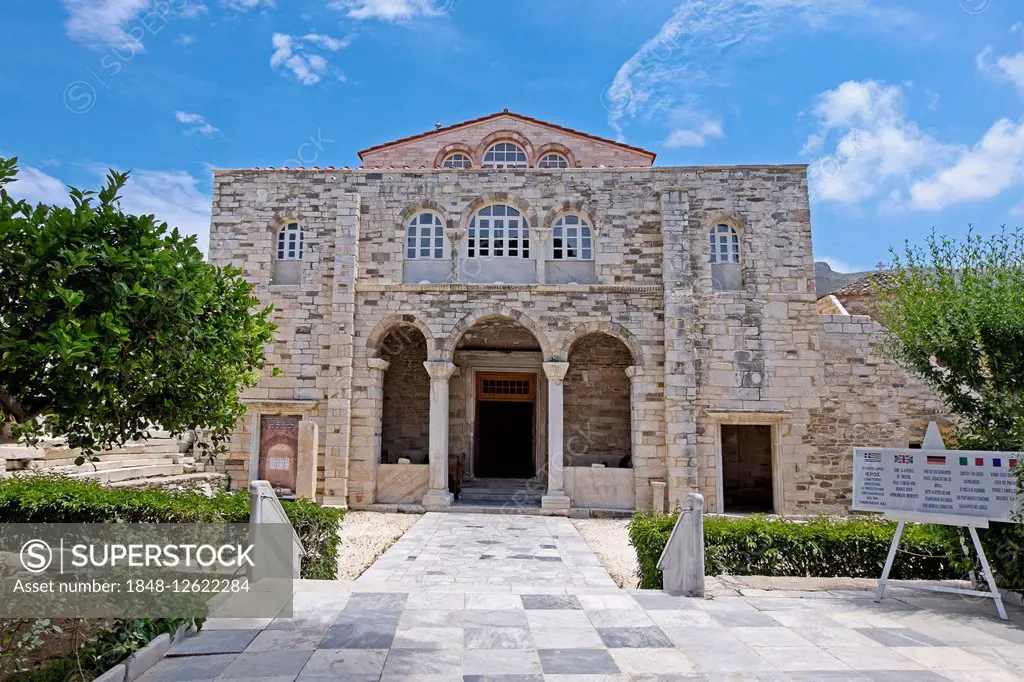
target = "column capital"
x: 440, y: 371
x: 635, y: 371
x: 540, y: 235
x: 556, y: 371
x: 455, y: 235
x: 378, y: 364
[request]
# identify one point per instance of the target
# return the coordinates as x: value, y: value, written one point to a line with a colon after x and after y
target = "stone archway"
x: 597, y: 402
x: 497, y: 415
x: 405, y: 402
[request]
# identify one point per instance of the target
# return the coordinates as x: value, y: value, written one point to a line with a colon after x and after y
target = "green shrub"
x: 820, y: 547
x: 60, y: 499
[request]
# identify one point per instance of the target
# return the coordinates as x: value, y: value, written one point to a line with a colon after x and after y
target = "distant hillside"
x: 828, y: 280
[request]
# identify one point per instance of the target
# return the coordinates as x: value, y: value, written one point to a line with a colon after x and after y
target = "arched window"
x: 290, y: 242
x: 553, y: 161
x: 505, y: 155
x: 498, y: 232
x: 725, y: 245
x: 572, y: 239
x: 457, y: 160
x: 424, y: 237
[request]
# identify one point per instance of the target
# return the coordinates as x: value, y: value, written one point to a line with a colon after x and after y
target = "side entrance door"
x: 505, y: 404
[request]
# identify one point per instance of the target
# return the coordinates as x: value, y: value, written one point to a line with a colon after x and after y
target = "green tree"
x: 110, y: 324
x: 954, y: 313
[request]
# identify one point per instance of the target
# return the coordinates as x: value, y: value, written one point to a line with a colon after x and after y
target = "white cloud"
x: 35, y: 186
x: 196, y: 124
x: 103, y: 21
x: 689, y: 137
x: 173, y: 197
x: 246, y: 5
x: 878, y: 153
x: 875, y: 144
x: 1005, y: 68
x: 704, y: 45
x: 124, y: 24
x: 387, y: 10
x: 298, y: 56
x: 327, y: 42
x: 185, y: 39
x: 990, y: 167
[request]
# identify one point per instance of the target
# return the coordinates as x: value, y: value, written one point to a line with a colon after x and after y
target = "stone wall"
x: 405, y: 423
x: 868, y: 401
x: 700, y: 355
x: 597, y: 395
x: 473, y: 140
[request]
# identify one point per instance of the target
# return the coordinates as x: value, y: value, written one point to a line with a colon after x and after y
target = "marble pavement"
x: 478, y: 598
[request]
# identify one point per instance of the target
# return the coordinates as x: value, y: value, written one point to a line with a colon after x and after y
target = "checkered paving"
x: 510, y: 631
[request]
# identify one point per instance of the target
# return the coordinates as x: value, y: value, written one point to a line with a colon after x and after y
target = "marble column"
x: 437, y: 496
x: 637, y: 390
x: 556, y: 499
x: 539, y: 243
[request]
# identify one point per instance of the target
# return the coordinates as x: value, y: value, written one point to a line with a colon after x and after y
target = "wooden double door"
x: 504, y: 434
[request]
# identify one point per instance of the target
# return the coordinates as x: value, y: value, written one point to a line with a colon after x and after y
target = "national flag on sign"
x: 873, y: 457
x: 904, y: 459
x: 963, y: 461
x: 936, y: 459
x: 996, y: 462
x: 979, y: 461
x: 1013, y: 463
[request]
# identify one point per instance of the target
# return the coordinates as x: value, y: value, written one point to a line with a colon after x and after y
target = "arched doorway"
x: 598, y: 428
x: 405, y: 409
x: 497, y: 407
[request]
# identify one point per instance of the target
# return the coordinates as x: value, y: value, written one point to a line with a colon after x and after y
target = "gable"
x: 536, y: 137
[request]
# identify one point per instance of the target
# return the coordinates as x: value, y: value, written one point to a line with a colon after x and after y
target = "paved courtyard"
x: 479, y: 598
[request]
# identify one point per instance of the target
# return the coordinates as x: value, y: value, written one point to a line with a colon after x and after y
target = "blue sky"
x: 909, y: 112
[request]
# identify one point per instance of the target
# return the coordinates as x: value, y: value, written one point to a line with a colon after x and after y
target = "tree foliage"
x: 110, y: 324
x: 954, y: 310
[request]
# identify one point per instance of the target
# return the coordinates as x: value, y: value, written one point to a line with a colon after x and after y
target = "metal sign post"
x: 972, y: 527
x: 964, y: 489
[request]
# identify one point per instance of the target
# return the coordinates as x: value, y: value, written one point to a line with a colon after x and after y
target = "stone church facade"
x: 531, y: 305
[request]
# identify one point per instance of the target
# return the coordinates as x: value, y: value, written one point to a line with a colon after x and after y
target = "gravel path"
x: 608, y: 539
x: 365, y: 536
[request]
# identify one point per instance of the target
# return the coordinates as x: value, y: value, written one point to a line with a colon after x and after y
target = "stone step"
x: 13, y: 452
x: 104, y: 465
x: 130, y: 473
x: 149, y: 448
x: 500, y: 497
x: 502, y: 484
x: 116, y: 458
x: 216, y: 479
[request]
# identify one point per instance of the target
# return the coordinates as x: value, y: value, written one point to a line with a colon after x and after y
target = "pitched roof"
x: 506, y: 112
x: 865, y: 286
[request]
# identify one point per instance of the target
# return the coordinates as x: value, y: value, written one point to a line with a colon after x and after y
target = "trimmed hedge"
x: 820, y: 547
x: 61, y: 499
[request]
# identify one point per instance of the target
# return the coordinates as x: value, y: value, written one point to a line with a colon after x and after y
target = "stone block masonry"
x: 672, y: 359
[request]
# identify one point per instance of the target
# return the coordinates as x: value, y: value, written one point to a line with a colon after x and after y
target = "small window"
x: 572, y: 239
x: 290, y: 242
x: 457, y: 160
x: 424, y: 237
x: 505, y: 155
x: 725, y: 245
x: 553, y: 161
x: 498, y: 232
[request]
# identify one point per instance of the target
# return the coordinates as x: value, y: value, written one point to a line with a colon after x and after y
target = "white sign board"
x: 967, y: 483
